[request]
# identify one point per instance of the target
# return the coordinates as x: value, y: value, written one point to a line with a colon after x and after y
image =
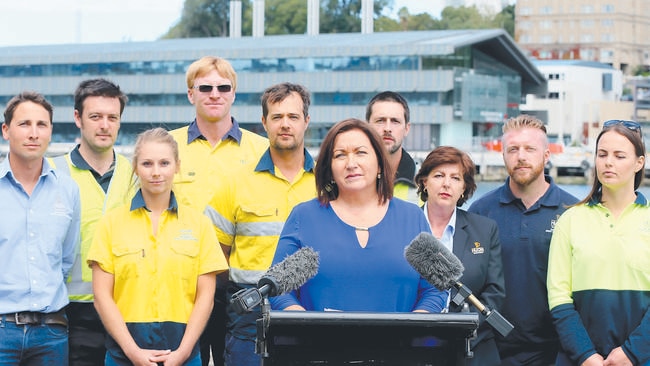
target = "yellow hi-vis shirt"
x: 203, y: 166
x: 156, y: 275
x: 249, y: 212
x: 95, y: 203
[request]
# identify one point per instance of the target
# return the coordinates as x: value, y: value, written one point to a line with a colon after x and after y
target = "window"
x: 587, y: 23
x: 608, y: 8
x: 545, y: 24
x: 607, y: 23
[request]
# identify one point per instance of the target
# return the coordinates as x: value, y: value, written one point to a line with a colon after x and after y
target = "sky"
x: 41, y: 22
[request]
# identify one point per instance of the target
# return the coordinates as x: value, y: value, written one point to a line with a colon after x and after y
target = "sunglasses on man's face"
x: 204, y: 88
x: 634, y: 126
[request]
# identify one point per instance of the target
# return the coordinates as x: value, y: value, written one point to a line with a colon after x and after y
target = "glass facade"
x: 483, y: 92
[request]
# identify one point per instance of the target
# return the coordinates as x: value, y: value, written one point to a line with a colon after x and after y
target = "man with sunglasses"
x: 212, y: 147
x: 526, y: 208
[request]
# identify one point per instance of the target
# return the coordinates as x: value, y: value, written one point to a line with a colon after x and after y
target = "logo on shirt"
x: 59, y: 208
x: 478, y: 249
x: 186, y: 234
x: 552, y: 224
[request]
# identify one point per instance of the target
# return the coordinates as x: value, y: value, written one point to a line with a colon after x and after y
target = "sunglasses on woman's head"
x: 634, y: 126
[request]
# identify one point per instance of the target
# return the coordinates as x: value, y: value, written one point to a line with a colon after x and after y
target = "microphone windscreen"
x: 433, y: 261
x: 292, y: 272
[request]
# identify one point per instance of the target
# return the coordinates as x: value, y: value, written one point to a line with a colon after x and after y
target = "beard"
x: 524, y: 179
x: 285, y: 145
x: 395, y: 147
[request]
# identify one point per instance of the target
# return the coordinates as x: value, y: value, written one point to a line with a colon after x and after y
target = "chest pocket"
x: 253, y: 211
x: 185, y: 259
x: 259, y: 220
x: 129, y: 261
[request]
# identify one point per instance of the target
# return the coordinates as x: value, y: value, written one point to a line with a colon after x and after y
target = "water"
x: 580, y: 191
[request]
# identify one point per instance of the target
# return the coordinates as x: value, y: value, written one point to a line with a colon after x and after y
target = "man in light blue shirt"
x: 39, y: 234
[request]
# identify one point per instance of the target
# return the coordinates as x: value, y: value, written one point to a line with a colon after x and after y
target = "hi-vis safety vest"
x: 94, y: 204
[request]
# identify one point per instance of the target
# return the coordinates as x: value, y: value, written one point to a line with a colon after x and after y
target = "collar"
x: 194, y: 133
x: 447, y: 238
x: 138, y: 202
x: 550, y: 198
x: 266, y: 163
x: 640, y: 199
x: 405, y: 169
x: 5, y: 168
x: 79, y: 162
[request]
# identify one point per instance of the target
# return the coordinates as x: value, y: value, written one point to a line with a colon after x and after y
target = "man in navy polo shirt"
x: 526, y: 208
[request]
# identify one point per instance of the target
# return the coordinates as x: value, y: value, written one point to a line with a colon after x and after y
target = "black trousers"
x: 86, y: 336
x: 213, y: 338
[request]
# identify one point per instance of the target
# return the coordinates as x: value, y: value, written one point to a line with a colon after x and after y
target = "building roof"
x: 493, y: 42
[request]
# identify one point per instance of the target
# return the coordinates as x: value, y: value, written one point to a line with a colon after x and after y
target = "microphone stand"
x: 492, y: 317
x: 261, y: 345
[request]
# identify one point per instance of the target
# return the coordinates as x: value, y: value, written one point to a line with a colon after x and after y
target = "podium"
x: 293, y: 338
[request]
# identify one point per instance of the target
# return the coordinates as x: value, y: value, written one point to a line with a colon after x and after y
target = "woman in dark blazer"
x: 445, y: 181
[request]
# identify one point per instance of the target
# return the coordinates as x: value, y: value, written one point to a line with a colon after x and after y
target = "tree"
x: 506, y: 20
x: 285, y: 17
x: 210, y: 18
x: 344, y: 16
x: 464, y: 18
x: 202, y: 18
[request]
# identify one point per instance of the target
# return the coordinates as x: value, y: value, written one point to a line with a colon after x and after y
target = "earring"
x: 329, y: 187
x: 378, y: 176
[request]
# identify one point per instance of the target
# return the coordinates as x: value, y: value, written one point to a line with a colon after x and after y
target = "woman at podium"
x: 359, y: 231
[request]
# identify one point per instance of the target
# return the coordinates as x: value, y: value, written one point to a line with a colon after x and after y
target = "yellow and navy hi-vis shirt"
x: 204, y: 166
x: 156, y: 275
x: 599, y: 281
x: 249, y: 212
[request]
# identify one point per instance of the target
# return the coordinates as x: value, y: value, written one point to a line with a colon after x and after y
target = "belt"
x: 30, y: 317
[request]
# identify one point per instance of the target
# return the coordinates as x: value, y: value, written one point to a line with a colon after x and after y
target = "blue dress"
x: 376, y: 278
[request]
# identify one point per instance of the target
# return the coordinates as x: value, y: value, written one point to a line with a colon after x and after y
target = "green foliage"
x: 506, y: 20
x: 209, y: 18
x: 202, y: 18
x: 285, y: 17
x: 464, y: 18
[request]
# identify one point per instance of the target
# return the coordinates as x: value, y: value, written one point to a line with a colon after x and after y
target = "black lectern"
x: 291, y: 338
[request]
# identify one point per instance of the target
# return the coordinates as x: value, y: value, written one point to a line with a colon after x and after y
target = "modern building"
x: 573, y: 104
x: 461, y: 84
x: 612, y: 32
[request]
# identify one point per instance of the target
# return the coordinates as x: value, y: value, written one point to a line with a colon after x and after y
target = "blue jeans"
x: 33, y: 344
x: 241, y: 333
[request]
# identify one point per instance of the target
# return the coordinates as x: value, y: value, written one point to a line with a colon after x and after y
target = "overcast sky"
x: 37, y: 22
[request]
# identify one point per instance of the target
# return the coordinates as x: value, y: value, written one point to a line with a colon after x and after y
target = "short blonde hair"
x: 206, y: 64
x: 523, y: 121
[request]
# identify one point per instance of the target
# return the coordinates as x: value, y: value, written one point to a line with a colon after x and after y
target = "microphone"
x: 441, y: 268
x: 288, y: 275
